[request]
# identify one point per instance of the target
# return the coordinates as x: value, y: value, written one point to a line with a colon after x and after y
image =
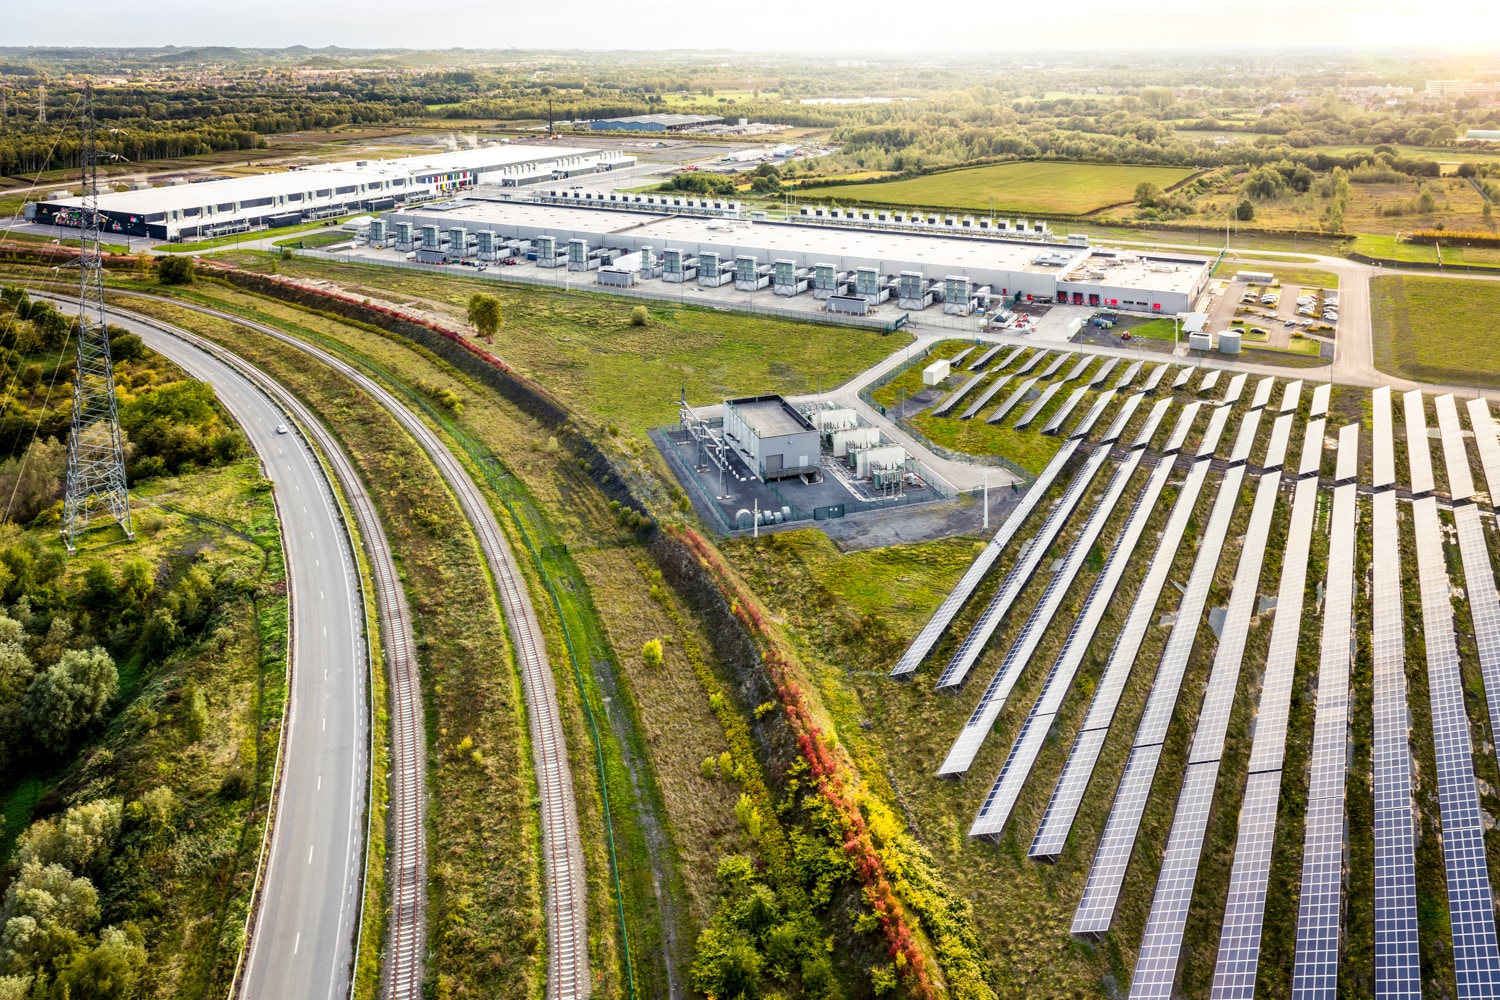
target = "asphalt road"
x: 303, y: 940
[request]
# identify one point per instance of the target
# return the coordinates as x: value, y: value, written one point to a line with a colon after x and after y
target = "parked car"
x: 1290, y: 322
x: 1260, y: 331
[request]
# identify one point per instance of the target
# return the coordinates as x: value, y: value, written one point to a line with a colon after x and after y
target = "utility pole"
x: 96, y: 458
x: 986, y: 499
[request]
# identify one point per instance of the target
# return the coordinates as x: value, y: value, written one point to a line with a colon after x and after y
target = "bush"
x: 69, y: 696
x: 651, y: 653
x: 1245, y: 211
x: 640, y: 316
x: 176, y: 270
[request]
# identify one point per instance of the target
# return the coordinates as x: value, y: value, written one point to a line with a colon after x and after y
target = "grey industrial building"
x: 851, y: 266
x: 772, y: 438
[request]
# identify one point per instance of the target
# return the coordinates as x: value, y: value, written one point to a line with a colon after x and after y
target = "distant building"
x: 1461, y: 88
x: 653, y: 123
x: 1483, y: 134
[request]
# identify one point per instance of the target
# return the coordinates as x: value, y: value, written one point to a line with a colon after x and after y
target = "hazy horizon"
x: 883, y: 27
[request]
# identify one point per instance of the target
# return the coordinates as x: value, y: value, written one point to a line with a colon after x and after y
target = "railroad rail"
x: 562, y: 846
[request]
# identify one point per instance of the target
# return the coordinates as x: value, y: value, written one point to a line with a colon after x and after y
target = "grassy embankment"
x: 486, y: 928
x: 1436, y: 329
x: 1032, y: 186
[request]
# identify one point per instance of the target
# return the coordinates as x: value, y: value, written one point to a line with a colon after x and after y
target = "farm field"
x: 1436, y: 329
x: 1033, y: 186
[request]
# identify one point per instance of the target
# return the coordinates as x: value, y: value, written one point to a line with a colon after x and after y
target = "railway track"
x: 562, y: 846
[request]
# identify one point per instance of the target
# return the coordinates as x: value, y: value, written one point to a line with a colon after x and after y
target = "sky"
x: 1000, y: 26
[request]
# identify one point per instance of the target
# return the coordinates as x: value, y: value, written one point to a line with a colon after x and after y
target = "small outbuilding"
x: 936, y: 372
x: 774, y: 439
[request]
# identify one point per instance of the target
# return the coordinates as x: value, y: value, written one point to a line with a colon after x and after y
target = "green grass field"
x: 1387, y: 248
x: 1033, y: 186
x: 1308, y: 277
x: 1436, y: 329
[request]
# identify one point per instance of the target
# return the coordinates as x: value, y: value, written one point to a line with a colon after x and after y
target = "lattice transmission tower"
x: 96, y: 458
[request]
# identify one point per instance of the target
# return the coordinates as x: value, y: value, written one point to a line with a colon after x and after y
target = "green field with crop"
x: 1032, y: 186
x: 1436, y: 329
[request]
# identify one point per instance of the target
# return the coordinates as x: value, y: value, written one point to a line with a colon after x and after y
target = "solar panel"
x: 1062, y: 412
x: 1471, y: 914
x: 958, y: 358
x: 1153, y: 421
x: 1182, y: 377
x: 986, y: 396
x: 1263, y: 391
x: 1486, y: 442
x: 980, y: 567
x: 1057, y: 363
x: 1320, y: 400
x: 1215, y: 430
x: 1103, y: 372
x: 959, y: 393
x: 987, y: 355
x: 1455, y: 456
x: 1281, y: 433
x: 1127, y: 410
x: 1102, y: 891
x: 1291, y: 396
x: 1011, y: 401
x: 1239, y: 939
x: 1161, y: 944
x: 1484, y: 606
x: 995, y: 811
x: 1083, y: 363
x: 1312, y: 448
x: 1210, y: 379
x: 1068, y: 792
x: 1315, y: 971
x: 1129, y: 376
x: 1398, y: 966
x: 982, y: 718
x: 1154, y: 379
x: 1184, y: 423
x: 1037, y: 405
x: 979, y: 635
x: 1383, y: 466
x: 1418, y: 452
x: 1348, y: 455
x: 1092, y: 416
x: 1032, y: 361
x: 1235, y: 391
x: 1245, y: 438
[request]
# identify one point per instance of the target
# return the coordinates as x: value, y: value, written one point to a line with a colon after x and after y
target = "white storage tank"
x: 1229, y: 342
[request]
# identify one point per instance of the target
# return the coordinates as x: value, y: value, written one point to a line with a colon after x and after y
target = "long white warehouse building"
x: 1013, y: 269
x: 241, y: 204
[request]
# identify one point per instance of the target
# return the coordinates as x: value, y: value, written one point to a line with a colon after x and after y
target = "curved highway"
x: 565, y: 887
x: 302, y: 940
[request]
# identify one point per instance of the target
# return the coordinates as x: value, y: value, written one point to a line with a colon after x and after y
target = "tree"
x: 32, y: 483
x: 69, y: 696
x: 484, y: 314
x: 176, y: 270
x: 1146, y: 194
x: 75, y: 839
x: 110, y: 970
x: 1245, y: 210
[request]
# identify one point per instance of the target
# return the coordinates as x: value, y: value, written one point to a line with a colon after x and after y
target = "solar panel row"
x: 1057, y: 362
x: 1112, y: 433
x: 1154, y: 379
x: 980, y: 361
x: 1281, y: 433
x: 995, y: 810
x: 1484, y: 607
x: 1471, y: 914
x: 973, y: 644
x: 1211, y: 434
x: 1489, y: 447
x: 1455, y: 457
x: 1096, y: 909
x: 1418, y: 451
x: 1032, y: 361
x: 1235, y: 391
x: 1291, y: 396
x: 1398, y: 965
x: 1083, y: 362
x: 1240, y: 935
x: 1129, y: 376
x: 1210, y: 379
x: 1180, y: 432
x: 982, y: 718
x: 938, y: 624
x: 1011, y: 401
x: 1037, y: 405
x: 1103, y: 371
x: 1066, y: 409
x: 1153, y: 421
x: 1320, y: 396
x: 1312, y: 448
x: 1246, y: 438
x: 1316, y: 967
x: 986, y: 396
x: 957, y: 394
x: 1068, y: 792
x: 1161, y: 943
x: 1383, y: 465
x: 958, y: 358
x: 1263, y: 389
x: 1182, y: 376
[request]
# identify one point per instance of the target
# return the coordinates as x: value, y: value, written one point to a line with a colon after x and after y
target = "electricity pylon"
x: 96, y: 457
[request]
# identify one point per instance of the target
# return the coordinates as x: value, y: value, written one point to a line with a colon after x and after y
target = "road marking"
x: 297, y: 944
x: 325, y: 723
x: 309, y: 853
x: 320, y: 782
